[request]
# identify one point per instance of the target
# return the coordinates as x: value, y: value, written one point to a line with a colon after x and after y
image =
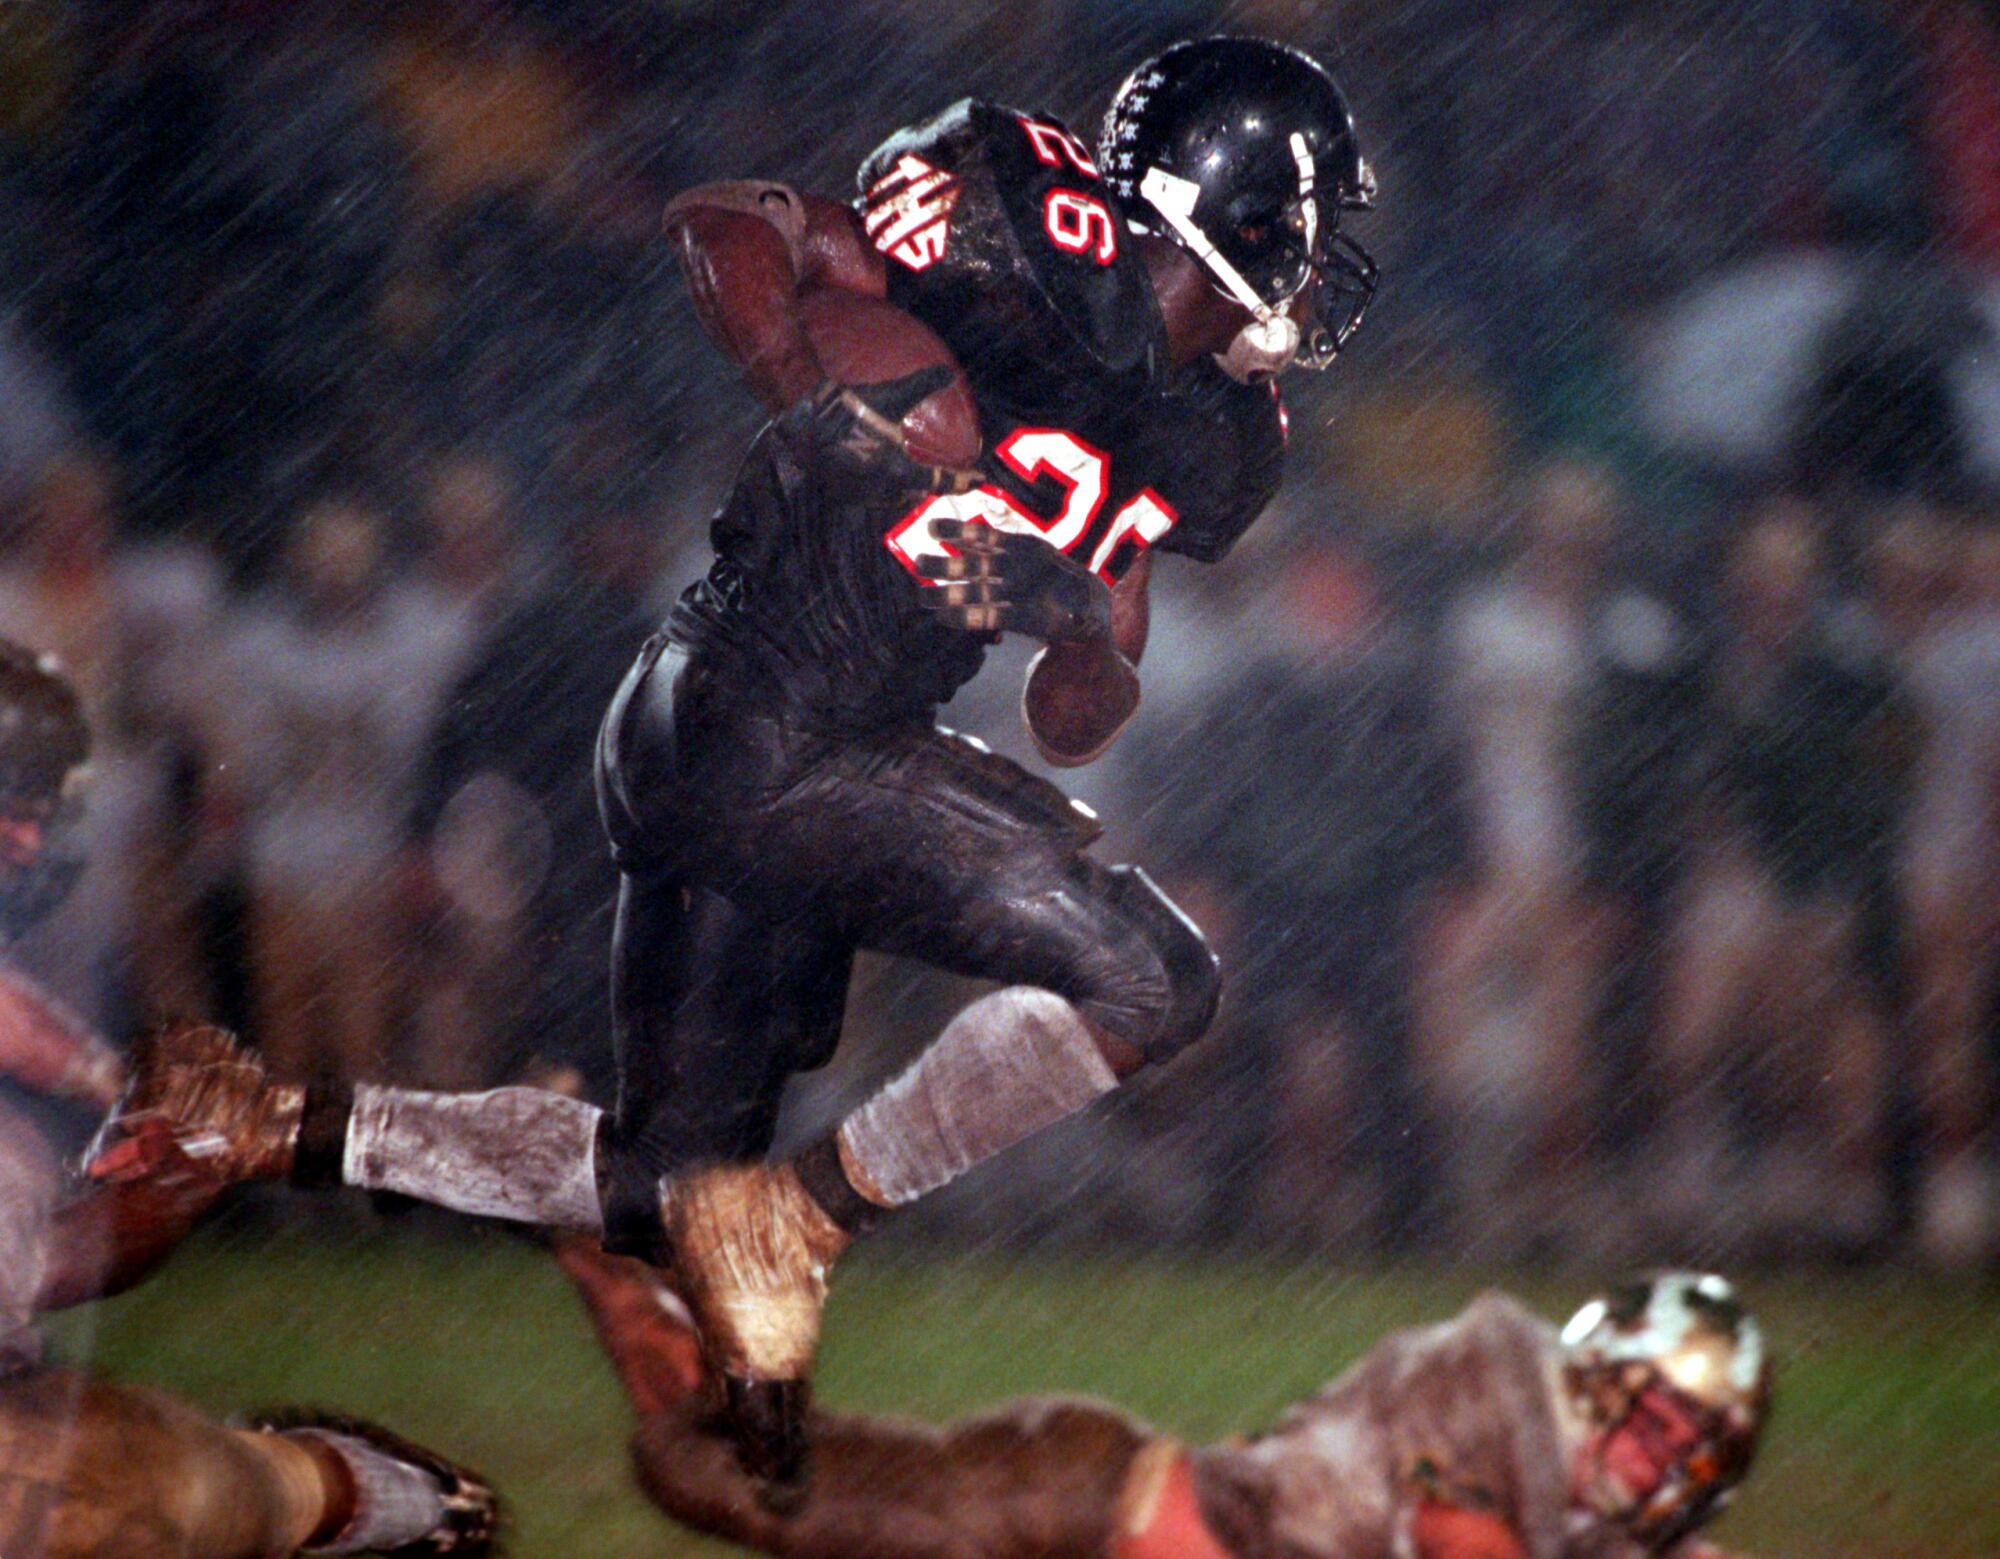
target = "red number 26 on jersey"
x: 1084, y: 474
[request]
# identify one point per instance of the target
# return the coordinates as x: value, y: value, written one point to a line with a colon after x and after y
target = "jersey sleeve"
x: 1227, y: 441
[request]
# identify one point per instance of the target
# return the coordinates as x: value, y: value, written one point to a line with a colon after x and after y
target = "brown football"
x: 862, y: 340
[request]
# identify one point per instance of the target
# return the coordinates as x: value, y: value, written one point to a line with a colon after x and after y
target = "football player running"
x: 89, y: 1467
x: 1489, y: 1436
x: 1001, y: 381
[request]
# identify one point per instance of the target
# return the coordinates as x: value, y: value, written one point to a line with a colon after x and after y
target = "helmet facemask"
x: 1690, y: 1453
x: 1671, y: 1378
x: 1262, y: 256
x: 1346, y: 279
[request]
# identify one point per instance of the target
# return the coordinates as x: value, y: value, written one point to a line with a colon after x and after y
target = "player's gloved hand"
x: 222, y: 1106
x: 861, y: 428
x: 1007, y: 582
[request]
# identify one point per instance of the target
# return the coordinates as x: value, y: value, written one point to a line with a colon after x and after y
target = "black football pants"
x: 758, y: 855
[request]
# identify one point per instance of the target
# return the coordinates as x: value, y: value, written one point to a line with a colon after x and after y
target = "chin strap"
x: 1250, y: 360
x: 1276, y: 337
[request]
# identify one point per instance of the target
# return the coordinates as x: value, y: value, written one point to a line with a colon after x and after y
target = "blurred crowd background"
x: 1589, y: 770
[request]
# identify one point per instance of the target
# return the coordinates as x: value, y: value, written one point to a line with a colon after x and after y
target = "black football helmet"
x: 43, y: 744
x: 1243, y: 152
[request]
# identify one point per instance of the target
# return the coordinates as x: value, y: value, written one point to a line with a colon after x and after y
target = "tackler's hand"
x: 997, y: 581
x: 156, y: 1180
x: 861, y: 426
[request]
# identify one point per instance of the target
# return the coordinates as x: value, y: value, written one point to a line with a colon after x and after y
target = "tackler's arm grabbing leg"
x: 1043, y: 1478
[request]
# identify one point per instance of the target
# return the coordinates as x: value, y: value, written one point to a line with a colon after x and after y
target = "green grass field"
x: 1886, y: 1443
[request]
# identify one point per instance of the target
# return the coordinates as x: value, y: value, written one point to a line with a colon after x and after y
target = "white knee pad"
x: 1004, y: 1068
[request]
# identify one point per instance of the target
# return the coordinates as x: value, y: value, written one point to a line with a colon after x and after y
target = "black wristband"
x: 322, y: 1145
x: 820, y: 1172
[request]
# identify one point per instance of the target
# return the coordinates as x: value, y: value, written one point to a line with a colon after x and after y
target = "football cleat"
x: 227, y: 1112
x: 750, y: 1250
x: 471, y: 1516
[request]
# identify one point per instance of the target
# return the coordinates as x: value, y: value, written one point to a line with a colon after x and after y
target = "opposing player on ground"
x: 1490, y: 1436
x: 1000, y: 382
x: 88, y: 1467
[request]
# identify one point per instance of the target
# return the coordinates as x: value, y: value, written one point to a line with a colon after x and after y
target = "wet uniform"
x: 1449, y: 1441
x: 775, y: 788
x: 1461, y: 1416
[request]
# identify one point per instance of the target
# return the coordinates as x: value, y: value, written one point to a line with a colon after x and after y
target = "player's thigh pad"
x: 937, y: 849
x: 1163, y: 993
x: 1105, y: 938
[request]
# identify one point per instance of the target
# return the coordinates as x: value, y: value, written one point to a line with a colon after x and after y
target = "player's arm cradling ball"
x: 748, y: 250
x: 789, y: 288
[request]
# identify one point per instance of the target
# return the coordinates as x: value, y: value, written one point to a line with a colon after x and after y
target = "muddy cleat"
x: 226, y: 1110
x: 751, y: 1250
x: 394, y: 1480
x: 767, y: 1420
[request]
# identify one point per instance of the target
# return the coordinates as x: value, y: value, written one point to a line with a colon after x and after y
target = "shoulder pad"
x: 996, y: 228
x: 940, y: 138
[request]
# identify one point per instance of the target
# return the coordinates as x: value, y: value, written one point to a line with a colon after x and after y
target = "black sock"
x: 820, y: 1171
x: 322, y: 1147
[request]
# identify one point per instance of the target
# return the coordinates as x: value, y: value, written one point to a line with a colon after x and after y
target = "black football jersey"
x: 996, y: 233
